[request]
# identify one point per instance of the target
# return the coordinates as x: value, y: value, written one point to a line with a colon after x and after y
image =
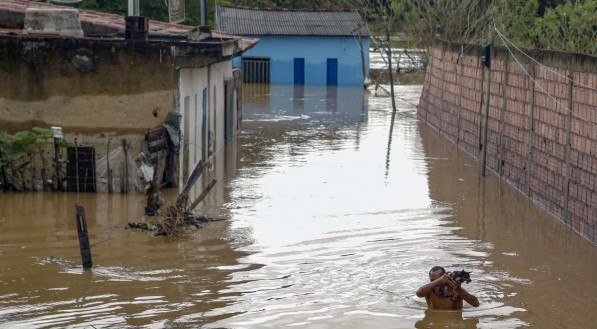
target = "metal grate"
x: 80, y: 169
x: 255, y: 70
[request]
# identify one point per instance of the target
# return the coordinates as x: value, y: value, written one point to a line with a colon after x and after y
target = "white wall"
x: 191, y: 84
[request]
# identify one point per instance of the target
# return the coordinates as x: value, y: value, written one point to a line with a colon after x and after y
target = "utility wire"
x: 503, y: 37
x: 540, y: 87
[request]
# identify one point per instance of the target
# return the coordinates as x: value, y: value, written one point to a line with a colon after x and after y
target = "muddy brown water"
x: 332, y: 225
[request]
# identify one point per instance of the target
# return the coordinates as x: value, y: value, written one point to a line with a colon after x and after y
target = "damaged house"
x: 123, y: 96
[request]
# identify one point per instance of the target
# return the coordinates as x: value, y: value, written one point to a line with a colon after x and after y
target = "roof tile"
x: 244, y: 21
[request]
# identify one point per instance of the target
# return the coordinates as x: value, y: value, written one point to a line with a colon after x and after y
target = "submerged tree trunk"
x: 390, y: 69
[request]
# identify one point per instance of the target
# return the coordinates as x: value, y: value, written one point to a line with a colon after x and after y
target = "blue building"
x: 300, y: 47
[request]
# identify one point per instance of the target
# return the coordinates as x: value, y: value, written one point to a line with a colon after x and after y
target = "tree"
x: 384, y: 17
x: 560, y: 25
x: 571, y: 27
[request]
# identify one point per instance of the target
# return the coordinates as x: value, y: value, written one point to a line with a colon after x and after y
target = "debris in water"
x: 179, y: 214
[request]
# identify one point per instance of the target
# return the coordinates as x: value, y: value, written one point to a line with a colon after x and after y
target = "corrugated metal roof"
x: 246, y: 21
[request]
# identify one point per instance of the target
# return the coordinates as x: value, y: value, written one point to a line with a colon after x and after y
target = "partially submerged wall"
x: 84, y: 86
x: 534, y: 143
x: 101, y: 92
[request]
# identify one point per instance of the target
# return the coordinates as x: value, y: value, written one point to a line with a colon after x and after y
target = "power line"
x: 540, y: 87
x: 503, y: 37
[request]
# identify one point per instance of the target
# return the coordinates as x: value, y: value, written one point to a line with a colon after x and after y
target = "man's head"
x: 436, y: 272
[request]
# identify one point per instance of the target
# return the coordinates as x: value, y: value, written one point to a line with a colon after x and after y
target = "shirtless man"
x: 445, y: 293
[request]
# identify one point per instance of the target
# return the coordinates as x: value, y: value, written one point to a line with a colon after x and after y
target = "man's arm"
x: 424, y: 290
x: 469, y: 298
x: 465, y: 295
x: 461, y: 292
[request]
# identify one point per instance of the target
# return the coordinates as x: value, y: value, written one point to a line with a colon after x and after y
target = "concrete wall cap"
x: 57, y: 21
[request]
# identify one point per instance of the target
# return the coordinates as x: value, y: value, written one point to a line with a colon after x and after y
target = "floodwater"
x: 335, y: 217
x: 407, y: 59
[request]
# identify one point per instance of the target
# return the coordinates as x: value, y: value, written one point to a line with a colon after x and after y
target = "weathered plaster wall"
x: 99, y: 91
x: 83, y: 85
x: 192, y: 84
x: 534, y: 143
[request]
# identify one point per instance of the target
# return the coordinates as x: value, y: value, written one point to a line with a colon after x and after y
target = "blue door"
x: 332, y: 72
x: 299, y: 71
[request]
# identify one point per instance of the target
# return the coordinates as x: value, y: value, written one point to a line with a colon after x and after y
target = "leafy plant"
x: 17, y: 154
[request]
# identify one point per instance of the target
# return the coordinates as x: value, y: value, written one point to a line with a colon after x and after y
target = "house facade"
x: 111, y: 93
x: 300, y: 47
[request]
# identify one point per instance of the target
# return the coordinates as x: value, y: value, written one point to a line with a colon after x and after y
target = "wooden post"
x: 203, y: 194
x: 57, y: 166
x: 427, y: 84
x: 486, y: 123
x: 480, y: 133
x: 126, y: 167
x: 121, y: 175
x: 459, y: 86
x: 568, y: 168
x: 531, y: 134
x: 81, y: 222
x: 44, y: 176
x: 487, y: 65
x: 108, y: 170
x: 502, y: 118
x: 440, y: 115
x: 184, y: 194
x: 390, y: 69
x: 32, y: 161
x: 197, y: 171
x: 77, y: 164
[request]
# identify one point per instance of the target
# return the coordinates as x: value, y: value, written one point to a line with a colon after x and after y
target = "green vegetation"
x: 545, y: 24
x: 17, y: 165
x: 559, y: 25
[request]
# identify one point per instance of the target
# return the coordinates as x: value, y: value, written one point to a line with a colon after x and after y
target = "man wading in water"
x: 445, y: 293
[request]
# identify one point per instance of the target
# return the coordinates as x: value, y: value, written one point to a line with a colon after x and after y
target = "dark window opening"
x: 255, y: 70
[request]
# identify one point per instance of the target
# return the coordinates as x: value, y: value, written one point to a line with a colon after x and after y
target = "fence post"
x: 459, y: 86
x: 480, y: 133
x: 502, y: 117
x: 440, y: 115
x: 568, y: 169
x: 83, y: 236
x: 125, y: 148
x: 57, y: 166
x: 76, y: 165
x: 486, y: 123
x: 531, y: 133
x: 108, y: 169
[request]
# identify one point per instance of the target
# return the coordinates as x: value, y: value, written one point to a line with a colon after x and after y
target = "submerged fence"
x: 541, y: 121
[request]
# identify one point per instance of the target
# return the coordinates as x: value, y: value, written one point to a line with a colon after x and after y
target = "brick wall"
x: 533, y: 142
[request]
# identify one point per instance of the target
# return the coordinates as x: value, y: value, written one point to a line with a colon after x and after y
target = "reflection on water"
x: 446, y: 319
x: 335, y: 221
x: 304, y: 105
